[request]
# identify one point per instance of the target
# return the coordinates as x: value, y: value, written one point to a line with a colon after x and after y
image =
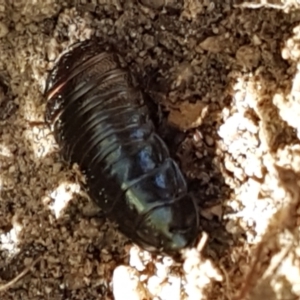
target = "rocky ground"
x: 227, y: 74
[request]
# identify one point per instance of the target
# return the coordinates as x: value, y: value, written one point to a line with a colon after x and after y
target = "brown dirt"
x: 227, y: 72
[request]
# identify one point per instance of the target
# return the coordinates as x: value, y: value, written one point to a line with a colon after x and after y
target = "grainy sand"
x: 229, y: 76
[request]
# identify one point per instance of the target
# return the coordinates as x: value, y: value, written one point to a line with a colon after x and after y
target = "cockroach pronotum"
x: 101, y: 121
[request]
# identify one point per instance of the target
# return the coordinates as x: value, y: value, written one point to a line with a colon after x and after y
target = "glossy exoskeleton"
x: 101, y: 122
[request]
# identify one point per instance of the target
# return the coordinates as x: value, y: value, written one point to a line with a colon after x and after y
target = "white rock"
x: 126, y: 284
x: 135, y: 260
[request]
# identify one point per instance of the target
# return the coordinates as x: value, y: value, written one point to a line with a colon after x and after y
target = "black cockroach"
x: 101, y: 121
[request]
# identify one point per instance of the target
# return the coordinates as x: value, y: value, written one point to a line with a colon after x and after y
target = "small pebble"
x: 3, y: 30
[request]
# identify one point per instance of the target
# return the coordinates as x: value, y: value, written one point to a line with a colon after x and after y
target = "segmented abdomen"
x: 101, y: 122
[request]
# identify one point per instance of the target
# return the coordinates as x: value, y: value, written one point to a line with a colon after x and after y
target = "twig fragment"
x: 9, y: 284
